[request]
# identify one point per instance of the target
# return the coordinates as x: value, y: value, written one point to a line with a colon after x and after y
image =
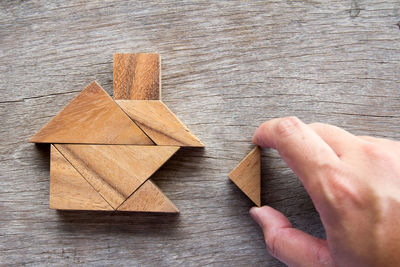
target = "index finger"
x: 300, y: 147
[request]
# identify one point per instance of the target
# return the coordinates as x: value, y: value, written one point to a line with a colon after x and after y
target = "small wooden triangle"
x: 247, y: 176
x: 116, y: 171
x: 91, y: 117
x: 148, y: 198
x: 69, y: 190
x: 159, y: 123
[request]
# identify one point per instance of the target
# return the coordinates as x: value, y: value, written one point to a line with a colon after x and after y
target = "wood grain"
x: 116, y: 171
x: 247, y: 175
x: 91, y: 117
x: 227, y: 66
x: 137, y: 76
x: 148, y: 198
x: 69, y: 190
x: 159, y: 123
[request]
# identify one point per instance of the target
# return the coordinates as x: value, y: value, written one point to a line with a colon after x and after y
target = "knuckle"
x: 287, y: 126
x: 323, y: 258
x: 371, y: 150
x: 377, y: 153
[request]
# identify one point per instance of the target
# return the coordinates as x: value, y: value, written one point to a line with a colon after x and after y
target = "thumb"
x: 289, y: 245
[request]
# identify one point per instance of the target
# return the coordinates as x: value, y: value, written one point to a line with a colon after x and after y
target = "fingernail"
x: 254, y: 214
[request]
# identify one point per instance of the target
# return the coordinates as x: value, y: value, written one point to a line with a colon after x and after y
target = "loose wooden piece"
x: 159, y: 123
x: 69, y: 190
x: 247, y: 176
x: 116, y: 171
x: 148, y: 198
x: 91, y: 117
x: 137, y: 76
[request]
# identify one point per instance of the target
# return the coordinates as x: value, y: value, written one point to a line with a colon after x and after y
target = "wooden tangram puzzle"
x: 103, y: 152
x: 247, y: 175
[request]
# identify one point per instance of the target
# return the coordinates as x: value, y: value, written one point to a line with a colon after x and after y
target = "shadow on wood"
x: 43, y: 155
x: 187, y: 158
x: 138, y: 223
x: 238, y: 195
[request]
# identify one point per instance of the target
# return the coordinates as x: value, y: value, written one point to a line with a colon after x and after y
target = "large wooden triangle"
x: 247, y: 176
x: 159, y: 123
x: 116, y: 171
x: 69, y: 190
x: 92, y: 117
x: 148, y: 198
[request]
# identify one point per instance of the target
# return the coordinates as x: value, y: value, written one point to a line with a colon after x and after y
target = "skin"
x: 354, y: 183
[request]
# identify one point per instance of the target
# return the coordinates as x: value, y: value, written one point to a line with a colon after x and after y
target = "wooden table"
x: 227, y: 67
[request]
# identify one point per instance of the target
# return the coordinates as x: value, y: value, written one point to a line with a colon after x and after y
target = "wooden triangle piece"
x: 69, y: 190
x: 148, y: 198
x: 116, y: 171
x: 159, y: 123
x: 91, y: 117
x: 247, y: 176
x: 137, y: 76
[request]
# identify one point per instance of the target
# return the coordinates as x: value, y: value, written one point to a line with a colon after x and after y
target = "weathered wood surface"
x: 226, y: 67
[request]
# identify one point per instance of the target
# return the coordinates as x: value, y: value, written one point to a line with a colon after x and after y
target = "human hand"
x: 354, y: 183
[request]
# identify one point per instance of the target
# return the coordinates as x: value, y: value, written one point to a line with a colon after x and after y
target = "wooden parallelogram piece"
x: 69, y: 190
x: 92, y: 117
x: 159, y: 123
x: 247, y: 175
x: 148, y: 198
x: 116, y: 171
x: 137, y: 76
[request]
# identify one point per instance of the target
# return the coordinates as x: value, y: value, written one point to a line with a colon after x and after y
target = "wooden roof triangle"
x: 92, y: 117
x: 69, y: 190
x: 116, y: 171
x: 159, y: 123
x: 148, y: 198
x: 247, y: 176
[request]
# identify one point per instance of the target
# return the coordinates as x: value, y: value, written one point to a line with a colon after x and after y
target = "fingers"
x: 304, y: 150
x: 289, y: 245
x: 341, y: 141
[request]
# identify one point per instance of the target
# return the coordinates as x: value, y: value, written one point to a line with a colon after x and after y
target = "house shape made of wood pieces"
x: 104, y: 151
